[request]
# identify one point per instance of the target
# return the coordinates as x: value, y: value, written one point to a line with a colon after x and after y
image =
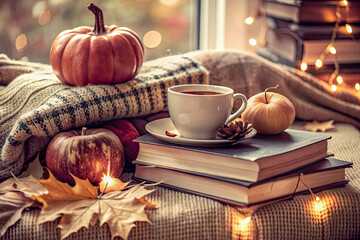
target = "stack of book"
x: 252, y: 172
x: 299, y: 30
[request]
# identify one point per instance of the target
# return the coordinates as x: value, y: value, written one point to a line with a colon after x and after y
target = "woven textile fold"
x: 36, y: 106
x: 250, y: 74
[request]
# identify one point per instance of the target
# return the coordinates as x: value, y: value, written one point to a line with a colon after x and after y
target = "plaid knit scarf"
x: 35, y: 106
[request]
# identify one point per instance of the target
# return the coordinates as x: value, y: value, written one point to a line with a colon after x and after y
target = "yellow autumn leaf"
x: 79, y: 206
x: 314, y: 126
x: 57, y: 190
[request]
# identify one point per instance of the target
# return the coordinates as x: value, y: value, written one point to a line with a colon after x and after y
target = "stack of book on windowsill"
x: 299, y: 30
x: 251, y: 172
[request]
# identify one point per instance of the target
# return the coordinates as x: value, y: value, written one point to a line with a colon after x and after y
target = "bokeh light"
x: 21, y: 42
x: 249, y: 20
x: 44, y: 17
x: 252, y: 42
x: 152, y: 39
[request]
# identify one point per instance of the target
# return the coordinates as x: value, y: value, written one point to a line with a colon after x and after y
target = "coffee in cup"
x: 199, y: 110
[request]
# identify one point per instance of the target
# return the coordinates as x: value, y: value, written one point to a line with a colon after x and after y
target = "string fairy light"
x: 315, y: 197
x: 330, y: 48
x: 303, y: 66
x: 249, y: 20
x: 259, y: 13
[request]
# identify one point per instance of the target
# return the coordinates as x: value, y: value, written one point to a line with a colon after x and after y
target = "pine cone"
x: 235, y: 130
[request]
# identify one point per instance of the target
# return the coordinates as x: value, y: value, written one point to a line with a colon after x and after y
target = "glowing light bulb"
x: 303, y: 66
x: 249, y: 20
x: 357, y: 86
x: 344, y: 3
x: 333, y: 88
x: 317, y: 199
x: 332, y: 50
x: 247, y: 220
x: 318, y: 63
x: 348, y: 28
x: 339, y: 79
x: 252, y: 41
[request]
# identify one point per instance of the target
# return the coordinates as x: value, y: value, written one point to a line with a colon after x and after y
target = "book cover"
x: 253, y: 159
x: 288, y: 45
x: 324, y: 173
x: 252, y: 149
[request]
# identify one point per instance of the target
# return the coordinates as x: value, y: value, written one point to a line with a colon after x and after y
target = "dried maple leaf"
x: 77, y: 209
x: 322, y: 126
x: 83, y: 189
x: 11, y: 206
x: 112, y: 184
x: 28, y: 185
x: 34, y: 169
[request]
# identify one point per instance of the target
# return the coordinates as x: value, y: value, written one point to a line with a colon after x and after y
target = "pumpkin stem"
x: 99, y: 27
x: 277, y: 87
x: 83, y: 131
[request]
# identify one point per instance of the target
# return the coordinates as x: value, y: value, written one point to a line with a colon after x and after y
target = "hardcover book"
x: 324, y: 174
x: 290, y: 46
x: 252, y: 160
x: 312, y: 11
x: 312, y: 31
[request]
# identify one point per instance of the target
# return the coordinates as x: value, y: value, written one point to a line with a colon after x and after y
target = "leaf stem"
x: 277, y: 87
x: 83, y: 131
x: 102, y: 193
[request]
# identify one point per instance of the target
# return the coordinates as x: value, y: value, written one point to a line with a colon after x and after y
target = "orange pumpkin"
x: 102, y: 55
x: 269, y: 113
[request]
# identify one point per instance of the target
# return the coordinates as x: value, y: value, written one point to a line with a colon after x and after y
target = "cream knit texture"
x: 34, y: 107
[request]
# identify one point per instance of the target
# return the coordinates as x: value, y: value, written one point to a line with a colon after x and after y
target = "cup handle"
x: 240, y: 110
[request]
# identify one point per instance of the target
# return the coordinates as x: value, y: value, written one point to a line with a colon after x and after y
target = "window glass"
x: 28, y: 27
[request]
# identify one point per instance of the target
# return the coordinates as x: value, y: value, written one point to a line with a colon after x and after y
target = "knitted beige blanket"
x: 251, y: 74
x: 36, y: 106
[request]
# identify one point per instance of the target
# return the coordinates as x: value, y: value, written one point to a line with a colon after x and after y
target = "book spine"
x: 276, y: 58
x: 313, y: 31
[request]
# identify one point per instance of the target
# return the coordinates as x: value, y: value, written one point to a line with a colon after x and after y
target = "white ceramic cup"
x: 200, y: 116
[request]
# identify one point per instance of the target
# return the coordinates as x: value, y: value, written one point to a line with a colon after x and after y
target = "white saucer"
x: 158, y: 127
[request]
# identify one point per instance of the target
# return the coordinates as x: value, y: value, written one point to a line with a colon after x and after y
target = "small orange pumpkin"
x: 102, y: 55
x: 269, y: 113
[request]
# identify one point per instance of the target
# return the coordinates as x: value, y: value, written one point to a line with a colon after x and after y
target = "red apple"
x: 126, y: 132
x: 87, y: 154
